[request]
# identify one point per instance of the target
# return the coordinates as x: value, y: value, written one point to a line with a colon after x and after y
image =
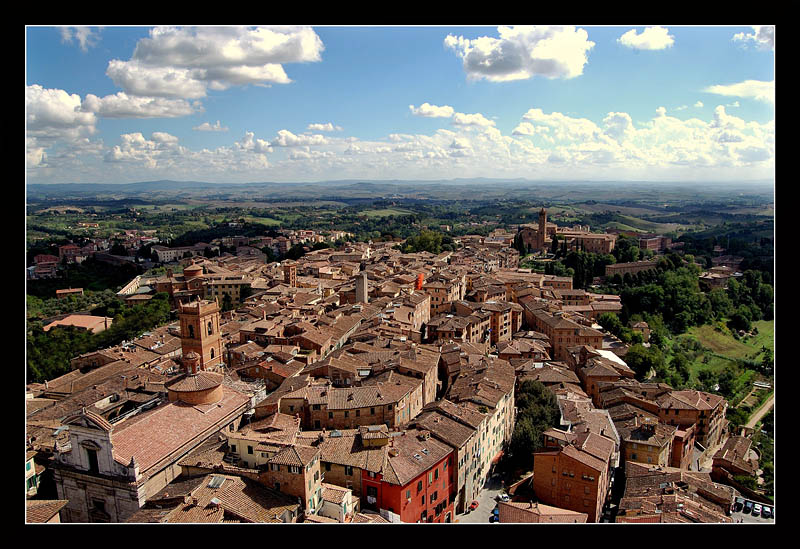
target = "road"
x: 761, y: 412
x: 486, y: 504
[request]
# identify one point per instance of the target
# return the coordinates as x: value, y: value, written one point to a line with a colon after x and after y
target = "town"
x: 400, y: 274
x: 374, y: 382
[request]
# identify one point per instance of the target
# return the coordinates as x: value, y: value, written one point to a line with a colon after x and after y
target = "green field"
x: 721, y: 350
x: 386, y: 212
x: 268, y: 221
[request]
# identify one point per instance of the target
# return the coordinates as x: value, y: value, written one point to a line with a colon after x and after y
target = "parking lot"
x: 748, y: 518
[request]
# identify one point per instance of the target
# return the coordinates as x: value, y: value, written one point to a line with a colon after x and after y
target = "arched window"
x: 212, y: 352
x: 210, y: 328
x: 191, y: 331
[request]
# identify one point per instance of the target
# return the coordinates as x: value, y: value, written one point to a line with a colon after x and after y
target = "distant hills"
x: 460, y: 188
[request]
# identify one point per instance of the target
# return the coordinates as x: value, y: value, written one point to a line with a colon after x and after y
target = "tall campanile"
x: 200, y: 333
x: 542, y: 234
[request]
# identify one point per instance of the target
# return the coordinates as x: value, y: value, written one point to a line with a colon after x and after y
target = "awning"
x: 497, y: 457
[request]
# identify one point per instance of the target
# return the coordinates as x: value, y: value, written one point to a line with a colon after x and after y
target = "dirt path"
x: 761, y: 412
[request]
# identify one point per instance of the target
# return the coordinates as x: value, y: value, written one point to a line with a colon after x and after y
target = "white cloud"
x: 749, y: 89
x: 122, y: 105
x: 763, y: 37
x: 681, y: 108
x: 522, y: 52
x: 85, y: 37
x: 56, y: 114
x: 186, y: 62
x: 698, y: 104
x: 137, y: 79
x: 206, y: 127
x: 250, y: 143
x: 475, y: 119
x: 651, y: 38
x: 327, y: 127
x: 288, y: 139
x: 432, y: 111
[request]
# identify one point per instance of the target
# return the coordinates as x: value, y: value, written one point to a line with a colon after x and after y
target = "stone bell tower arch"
x: 200, y: 333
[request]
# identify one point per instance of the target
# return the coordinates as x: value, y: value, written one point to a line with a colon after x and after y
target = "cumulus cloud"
x: 749, y: 89
x: 698, y: 104
x: 523, y: 52
x: 327, y: 127
x: 286, y: 138
x: 206, y: 127
x: 84, y: 36
x: 432, y: 111
x: 186, y: 62
x: 250, y: 143
x: 475, y: 119
x: 122, y: 105
x: 762, y: 37
x: 651, y: 38
x: 56, y: 114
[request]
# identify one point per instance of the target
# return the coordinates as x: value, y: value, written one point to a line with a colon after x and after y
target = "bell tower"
x: 541, y: 236
x: 200, y: 333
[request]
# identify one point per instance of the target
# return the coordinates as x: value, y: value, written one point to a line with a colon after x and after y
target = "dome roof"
x: 201, y: 381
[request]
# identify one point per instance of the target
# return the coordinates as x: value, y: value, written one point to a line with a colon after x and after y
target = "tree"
x: 610, y: 322
x: 227, y: 303
x: 642, y: 360
x: 537, y: 411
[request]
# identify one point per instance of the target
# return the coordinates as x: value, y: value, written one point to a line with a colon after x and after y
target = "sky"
x: 304, y: 104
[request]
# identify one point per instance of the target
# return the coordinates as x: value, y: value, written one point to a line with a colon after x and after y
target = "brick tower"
x: 290, y: 275
x: 200, y: 333
x: 542, y: 234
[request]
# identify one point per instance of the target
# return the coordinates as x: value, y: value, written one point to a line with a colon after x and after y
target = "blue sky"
x: 246, y: 104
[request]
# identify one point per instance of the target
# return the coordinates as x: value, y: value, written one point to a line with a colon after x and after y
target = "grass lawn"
x: 268, y: 221
x: 386, y: 212
x: 724, y: 349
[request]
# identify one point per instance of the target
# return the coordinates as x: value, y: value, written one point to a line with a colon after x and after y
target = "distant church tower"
x: 542, y: 234
x: 200, y: 333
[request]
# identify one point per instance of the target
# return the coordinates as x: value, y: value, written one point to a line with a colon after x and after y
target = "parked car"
x: 501, y: 497
x: 766, y: 512
x: 756, y: 509
x: 748, y: 507
x: 738, y: 504
x: 496, y: 514
x: 473, y: 505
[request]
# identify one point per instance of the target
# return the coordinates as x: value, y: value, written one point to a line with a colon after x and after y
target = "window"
x: 434, y: 496
x: 212, y: 352
x: 249, y: 449
x: 423, y: 499
x: 191, y: 331
x: 436, y: 474
x: 389, y: 407
x: 358, y: 413
x: 210, y: 328
x: 327, y: 466
x: 233, y: 448
x: 315, y: 407
x: 93, y: 465
x: 419, y: 486
x: 291, y: 408
x: 330, y: 415
x: 346, y: 413
x: 372, y: 411
x: 408, y: 494
x: 348, y: 470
